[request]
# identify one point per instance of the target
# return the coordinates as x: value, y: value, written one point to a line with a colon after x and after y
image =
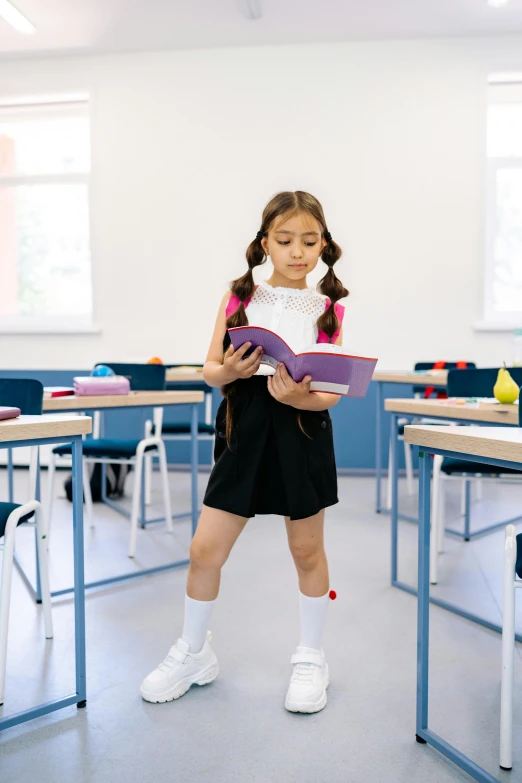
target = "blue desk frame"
x: 395, y: 527
x: 36, y: 592
x: 425, y: 381
x: 80, y: 697
x: 423, y: 733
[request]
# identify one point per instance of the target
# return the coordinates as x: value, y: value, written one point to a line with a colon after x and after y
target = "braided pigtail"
x: 330, y: 286
x: 243, y: 288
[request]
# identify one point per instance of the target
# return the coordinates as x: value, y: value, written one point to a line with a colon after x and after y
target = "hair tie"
x: 327, y: 236
x: 260, y: 235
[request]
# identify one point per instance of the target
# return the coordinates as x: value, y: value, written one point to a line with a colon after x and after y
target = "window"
x: 45, y: 263
x: 503, y: 279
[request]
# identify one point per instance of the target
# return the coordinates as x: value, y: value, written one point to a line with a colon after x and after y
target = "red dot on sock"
x: 333, y: 595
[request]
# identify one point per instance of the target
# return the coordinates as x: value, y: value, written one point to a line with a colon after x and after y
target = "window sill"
x: 47, y: 327
x: 495, y: 326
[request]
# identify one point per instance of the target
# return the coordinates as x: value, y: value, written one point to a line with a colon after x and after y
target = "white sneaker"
x: 309, y: 681
x: 179, y: 671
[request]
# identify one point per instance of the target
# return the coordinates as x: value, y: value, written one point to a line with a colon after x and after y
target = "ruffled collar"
x: 295, y: 291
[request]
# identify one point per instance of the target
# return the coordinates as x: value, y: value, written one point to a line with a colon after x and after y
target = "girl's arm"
x: 219, y: 370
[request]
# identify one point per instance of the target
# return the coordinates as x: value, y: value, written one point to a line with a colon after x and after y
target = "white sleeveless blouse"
x: 291, y: 313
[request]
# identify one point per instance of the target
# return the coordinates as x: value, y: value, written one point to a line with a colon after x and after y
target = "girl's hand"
x: 238, y: 367
x: 284, y: 389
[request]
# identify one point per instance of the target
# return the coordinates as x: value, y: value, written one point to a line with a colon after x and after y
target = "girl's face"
x: 294, y: 245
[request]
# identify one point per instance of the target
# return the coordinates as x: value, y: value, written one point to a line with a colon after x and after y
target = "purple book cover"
x: 331, y: 369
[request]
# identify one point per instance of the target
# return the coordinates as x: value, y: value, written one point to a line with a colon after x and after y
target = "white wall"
x: 189, y: 146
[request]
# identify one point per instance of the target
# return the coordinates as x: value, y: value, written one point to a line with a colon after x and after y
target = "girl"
x: 274, y: 448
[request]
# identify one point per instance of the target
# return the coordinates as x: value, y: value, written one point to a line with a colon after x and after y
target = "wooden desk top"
x: 494, y: 442
x: 439, y: 378
x: 54, y: 426
x: 132, y: 400
x: 470, y: 411
x: 174, y: 374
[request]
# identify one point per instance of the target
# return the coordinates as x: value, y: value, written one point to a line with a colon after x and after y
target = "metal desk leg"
x: 194, y: 465
x: 395, y: 497
x: 378, y: 438
x: 79, y: 578
x: 423, y: 733
x: 467, y: 511
x: 423, y: 602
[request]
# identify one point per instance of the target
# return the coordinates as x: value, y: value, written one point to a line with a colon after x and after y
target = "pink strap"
x: 339, y: 311
x: 233, y: 304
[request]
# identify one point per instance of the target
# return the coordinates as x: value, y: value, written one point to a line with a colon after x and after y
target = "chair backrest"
x: 142, y: 377
x: 431, y: 365
x: 24, y: 393
x: 477, y: 383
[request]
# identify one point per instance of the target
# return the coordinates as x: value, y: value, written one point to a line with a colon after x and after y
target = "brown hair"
x: 287, y: 204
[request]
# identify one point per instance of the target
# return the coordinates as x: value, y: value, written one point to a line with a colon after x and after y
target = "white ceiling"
x: 91, y: 26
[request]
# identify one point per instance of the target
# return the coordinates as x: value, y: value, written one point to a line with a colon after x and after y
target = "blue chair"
x: 418, y: 391
x: 26, y: 394
x: 466, y: 383
x: 142, y: 377
x: 180, y: 431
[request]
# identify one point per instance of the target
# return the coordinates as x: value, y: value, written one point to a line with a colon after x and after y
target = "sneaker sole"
x: 206, y: 677
x: 308, y: 707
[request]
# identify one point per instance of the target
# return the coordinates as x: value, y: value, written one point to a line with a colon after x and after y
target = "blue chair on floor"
x: 126, y: 451
x: 418, y: 391
x: 466, y: 383
x: 26, y: 394
x: 180, y: 431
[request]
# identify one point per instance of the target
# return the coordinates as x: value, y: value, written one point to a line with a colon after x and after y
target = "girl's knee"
x: 306, y: 556
x: 205, y: 555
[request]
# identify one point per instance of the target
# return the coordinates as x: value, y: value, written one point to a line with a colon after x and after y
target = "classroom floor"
x: 237, y: 729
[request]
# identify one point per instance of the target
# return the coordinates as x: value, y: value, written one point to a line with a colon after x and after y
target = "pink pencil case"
x: 9, y: 413
x: 88, y: 385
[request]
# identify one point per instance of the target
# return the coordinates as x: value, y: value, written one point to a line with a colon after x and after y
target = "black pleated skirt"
x: 271, y: 466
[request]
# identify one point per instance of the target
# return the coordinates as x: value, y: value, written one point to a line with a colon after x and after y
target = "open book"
x: 332, y: 370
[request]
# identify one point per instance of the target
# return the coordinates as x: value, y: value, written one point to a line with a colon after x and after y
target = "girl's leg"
x: 306, y: 541
x: 215, y: 536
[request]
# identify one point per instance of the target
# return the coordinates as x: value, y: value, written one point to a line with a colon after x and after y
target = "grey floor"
x: 237, y: 728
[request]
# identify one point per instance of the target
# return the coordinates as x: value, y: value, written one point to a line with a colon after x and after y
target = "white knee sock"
x: 195, y: 625
x: 313, y: 616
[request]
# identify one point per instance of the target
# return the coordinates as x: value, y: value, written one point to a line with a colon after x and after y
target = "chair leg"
x: 5, y: 597
x: 435, y: 520
x: 87, y: 494
x: 409, y: 469
x: 148, y: 466
x: 41, y: 537
x: 136, y: 497
x: 5, y: 583
x: 162, y: 455
x: 508, y: 650
x: 50, y: 492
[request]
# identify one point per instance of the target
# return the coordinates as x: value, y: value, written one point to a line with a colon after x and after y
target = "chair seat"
x: 104, y: 447
x: 5, y: 510
x: 183, y: 428
x: 450, y: 466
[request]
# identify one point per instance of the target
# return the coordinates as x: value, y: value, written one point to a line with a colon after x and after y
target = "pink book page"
x: 332, y: 369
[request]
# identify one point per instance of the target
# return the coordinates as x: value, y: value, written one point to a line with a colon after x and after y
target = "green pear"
x: 505, y: 389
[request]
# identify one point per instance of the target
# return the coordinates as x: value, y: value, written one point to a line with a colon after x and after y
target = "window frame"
x: 47, y: 106
x: 503, y: 91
